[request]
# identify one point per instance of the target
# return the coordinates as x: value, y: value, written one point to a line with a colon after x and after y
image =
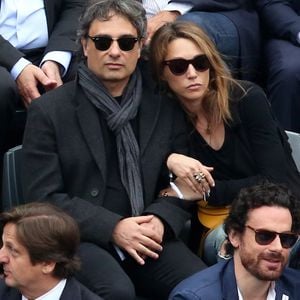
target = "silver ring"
x: 199, y: 176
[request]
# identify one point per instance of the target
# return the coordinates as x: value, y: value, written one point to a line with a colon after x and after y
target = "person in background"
x: 37, y: 46
x: 38, y: 255
x: 232, y: 25
x: 262, y: 227
x: 97, y: 148
x: 281, y: 25
x: 234, y: 139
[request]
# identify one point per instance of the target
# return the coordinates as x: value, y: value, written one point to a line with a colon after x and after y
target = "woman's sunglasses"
x: 103, y: 43
x: 180, y: 65
x: 265, y: 237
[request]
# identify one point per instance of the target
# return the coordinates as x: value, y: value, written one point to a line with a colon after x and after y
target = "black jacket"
x: 65, y: 163
x: 73, y: 290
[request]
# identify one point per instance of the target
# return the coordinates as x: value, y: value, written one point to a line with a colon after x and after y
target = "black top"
x: 255, y: 147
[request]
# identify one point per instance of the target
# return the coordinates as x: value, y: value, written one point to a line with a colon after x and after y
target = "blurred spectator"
x: 281, y: 23
x: 232, y: 25
x: 37, y: 43
x: 262, y: 226
x: 38, y: 255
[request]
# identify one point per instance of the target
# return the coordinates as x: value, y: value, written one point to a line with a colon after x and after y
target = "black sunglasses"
x: 180, y: 65
x: 265, y: 237
x: 103, y: 43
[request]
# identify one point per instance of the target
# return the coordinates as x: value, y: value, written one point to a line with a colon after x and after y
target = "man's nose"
x: 276, y: 244
x: 114, y: 48
x: 3, y: 255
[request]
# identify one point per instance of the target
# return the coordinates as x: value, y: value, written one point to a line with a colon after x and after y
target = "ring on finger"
x: 199, y: 176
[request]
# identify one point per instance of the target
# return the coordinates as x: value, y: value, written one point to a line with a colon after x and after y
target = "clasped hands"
x: 140, y: 237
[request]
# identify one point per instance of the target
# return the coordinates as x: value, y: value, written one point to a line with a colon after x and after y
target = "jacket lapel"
x: 89, y: 123
x: 229, y: 287
x: 148, y: 116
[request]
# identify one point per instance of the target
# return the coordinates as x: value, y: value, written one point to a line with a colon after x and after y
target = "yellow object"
x: 211, y: 216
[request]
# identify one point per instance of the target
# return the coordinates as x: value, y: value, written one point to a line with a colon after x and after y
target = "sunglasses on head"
x: 103, y: 43
x: 265, y: 237
x: 179, y: 66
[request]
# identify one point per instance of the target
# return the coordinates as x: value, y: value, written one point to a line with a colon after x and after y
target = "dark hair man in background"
x: 38, y: 255
x: 262, y: 227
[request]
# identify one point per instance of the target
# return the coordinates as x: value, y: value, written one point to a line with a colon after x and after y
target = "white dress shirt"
x: 153, y: 7
x: 54, y: 293
x: 24, y: 25
x: 271, y: 293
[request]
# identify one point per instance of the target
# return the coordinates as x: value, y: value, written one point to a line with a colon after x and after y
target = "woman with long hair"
x: 234, y: 138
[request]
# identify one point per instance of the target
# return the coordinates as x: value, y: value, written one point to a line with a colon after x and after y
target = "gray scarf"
x: 118, y: 116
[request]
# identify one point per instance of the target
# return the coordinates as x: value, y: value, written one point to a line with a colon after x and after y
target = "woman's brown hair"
x: 216, y: 99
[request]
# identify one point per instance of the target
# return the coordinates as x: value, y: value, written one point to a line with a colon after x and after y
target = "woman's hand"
x: 196, y: 175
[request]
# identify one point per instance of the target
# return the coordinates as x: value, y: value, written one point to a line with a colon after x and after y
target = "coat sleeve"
x: 62, y: 35
x: 280, y: 18
x: 171, y: 210
x: 9, y: 55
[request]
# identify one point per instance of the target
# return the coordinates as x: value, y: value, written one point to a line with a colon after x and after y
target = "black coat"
x: 259, y: 148
x: 65, y: 162
x: 73, y: 290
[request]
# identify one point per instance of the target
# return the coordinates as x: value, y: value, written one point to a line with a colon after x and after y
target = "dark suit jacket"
x: 219, y: 283
x: 65, y: 162
x: 281, y: 18
x: 242, y: 13
x: 73, y: 290
x: 62, y: 22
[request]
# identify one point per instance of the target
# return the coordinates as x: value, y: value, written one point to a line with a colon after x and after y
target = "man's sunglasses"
x: 180, y: 65
x: 265, y: 237
x: 103, y: 43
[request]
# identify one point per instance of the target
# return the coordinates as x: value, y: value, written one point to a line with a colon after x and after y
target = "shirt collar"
x: 54, y: 293
x: 271, y: 292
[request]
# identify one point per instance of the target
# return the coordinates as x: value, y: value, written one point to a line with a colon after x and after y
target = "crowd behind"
x: 143, y: 119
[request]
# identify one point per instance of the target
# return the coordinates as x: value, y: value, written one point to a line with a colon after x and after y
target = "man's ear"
x: 48, y: 267
x: 234, y: 238
x: 84, y: 45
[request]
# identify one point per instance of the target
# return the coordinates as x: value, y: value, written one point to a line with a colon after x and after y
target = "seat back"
x: 12, y: 193
x: 294, y: 140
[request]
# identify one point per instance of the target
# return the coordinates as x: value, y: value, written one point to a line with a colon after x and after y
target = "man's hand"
x: 159, y: 20
x: 28, y: 80
x: 157, y: 226
x: 51, y: 69
x: 140, y: 237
